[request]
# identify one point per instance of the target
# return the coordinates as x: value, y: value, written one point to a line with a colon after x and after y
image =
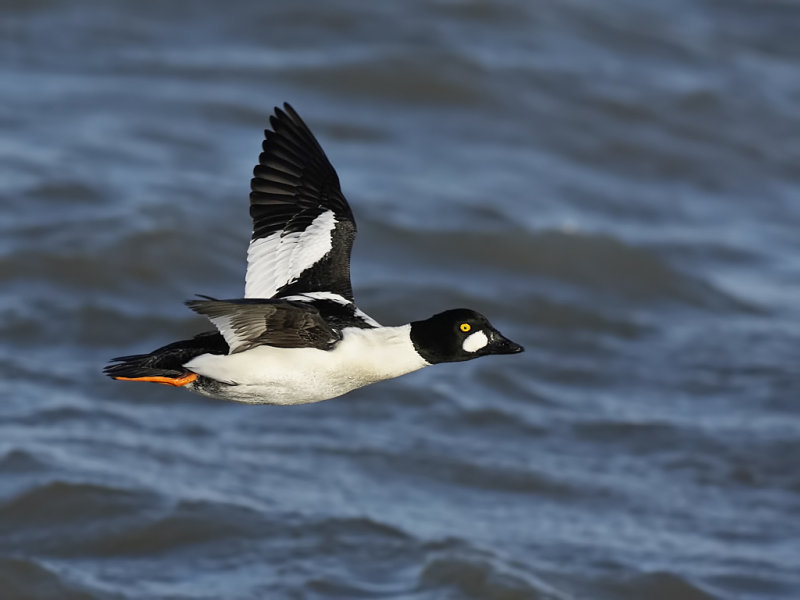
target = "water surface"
x: 614, y: 184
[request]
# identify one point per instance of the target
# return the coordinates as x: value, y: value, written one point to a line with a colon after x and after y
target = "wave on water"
x: 21, y: 462
x: 26, y: 578
x: 73, y: 521
x: 66, y: 504
x: 596, y: 266
x: 658, y: 585
x: 482, y: 578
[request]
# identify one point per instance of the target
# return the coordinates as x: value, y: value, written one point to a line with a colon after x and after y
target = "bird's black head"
x: 458, y: 334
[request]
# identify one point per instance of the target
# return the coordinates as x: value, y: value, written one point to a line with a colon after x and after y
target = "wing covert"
x: 246, y: 324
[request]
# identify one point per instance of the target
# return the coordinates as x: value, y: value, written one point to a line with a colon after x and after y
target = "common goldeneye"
x: 297, y: 335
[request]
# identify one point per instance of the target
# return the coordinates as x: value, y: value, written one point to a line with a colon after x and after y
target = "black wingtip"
x: 288, y: 115
x: 291, y: 112
x: 287, y: 108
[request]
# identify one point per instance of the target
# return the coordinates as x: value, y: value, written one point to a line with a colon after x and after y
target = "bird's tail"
x: 165, y: 365
x: 138, y: 367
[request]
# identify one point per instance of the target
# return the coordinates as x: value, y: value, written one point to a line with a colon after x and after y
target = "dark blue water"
x: 615, y: 184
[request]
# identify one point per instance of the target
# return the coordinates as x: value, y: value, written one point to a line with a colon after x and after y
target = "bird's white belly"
x: 271, y: 375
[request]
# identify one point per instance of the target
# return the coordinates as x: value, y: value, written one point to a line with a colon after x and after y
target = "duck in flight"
x: 297, y: 335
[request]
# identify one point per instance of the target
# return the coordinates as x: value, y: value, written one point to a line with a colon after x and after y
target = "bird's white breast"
x: 298, y: 375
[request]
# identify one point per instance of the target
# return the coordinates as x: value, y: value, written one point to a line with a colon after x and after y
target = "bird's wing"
x: 246, y: 324
x: 303, y: 228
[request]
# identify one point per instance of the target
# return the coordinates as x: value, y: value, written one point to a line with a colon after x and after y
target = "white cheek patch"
x: 475, y: 342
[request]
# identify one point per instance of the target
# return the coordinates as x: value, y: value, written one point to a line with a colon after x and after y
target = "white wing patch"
x: 475, y: 342
x: 223, y: 325
x: 311, y: 296
x: 276, y: 260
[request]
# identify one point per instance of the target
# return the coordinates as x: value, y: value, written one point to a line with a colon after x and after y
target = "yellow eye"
x: 465, y: 327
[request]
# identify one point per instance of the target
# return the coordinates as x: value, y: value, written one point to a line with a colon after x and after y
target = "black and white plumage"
x: 297, y: 335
